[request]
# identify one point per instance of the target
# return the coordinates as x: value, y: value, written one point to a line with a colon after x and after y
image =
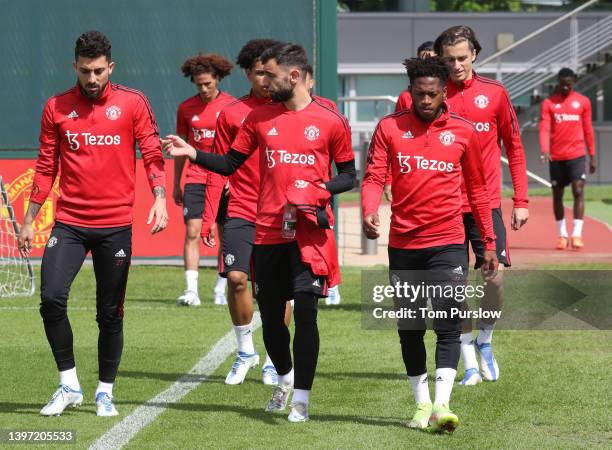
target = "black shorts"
x: 193, y: 201
x: 222, y: 212
x: 472, y: 235
x: 434, y: 269
x: 279, y: 273
x: 237, y: 246
x: 563, y: 173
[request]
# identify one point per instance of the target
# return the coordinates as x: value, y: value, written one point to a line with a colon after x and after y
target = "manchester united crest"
x: 311, y: 132
x: 113, y: 112
x: 481, y: 101
x: 447, y: 138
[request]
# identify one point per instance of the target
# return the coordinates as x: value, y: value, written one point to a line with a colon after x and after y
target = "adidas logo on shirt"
x: 73, y: 115
x: 195, y: 118
x: 273, y: 132
x: 408, y: 135
x: 120, y: 254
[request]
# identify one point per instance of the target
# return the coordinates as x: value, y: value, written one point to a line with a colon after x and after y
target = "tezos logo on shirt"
x: 423, y: 163
x: 202, y: 133
x: 481, y: 101
x: 311, y: 132
x: 113, y: 112
x: 285, y: 157
x: 91, y: 139
x: 447, y: 138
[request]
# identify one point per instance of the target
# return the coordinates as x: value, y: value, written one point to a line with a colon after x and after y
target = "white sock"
x: 468, y: 351
x: 420, y: 388
x: 445, y: 378
x: 286, y: 379
x: 192, y: 280
x: 69, y: 378
x: 562, y: 227
x: 220, y: 286
x: 301, y: 395
x: 485, y: 334
x: 577, y: 231
x: 105, y: 387
x: 268, y: 361
x: 244, y: 338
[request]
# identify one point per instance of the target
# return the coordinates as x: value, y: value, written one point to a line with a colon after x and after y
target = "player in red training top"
x: 566, y: 131
x: 196, y: 120
x: 404, y: 101
x: 89, y: 133
x: 431, y: 153
x: 297, y: 138
x: 239, y: 227
x: 486, y: 104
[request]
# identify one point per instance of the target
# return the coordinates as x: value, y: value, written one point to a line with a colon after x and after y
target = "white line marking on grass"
x: 124, y: 431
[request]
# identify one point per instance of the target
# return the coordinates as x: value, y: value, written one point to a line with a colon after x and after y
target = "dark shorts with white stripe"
x: 472, y: 235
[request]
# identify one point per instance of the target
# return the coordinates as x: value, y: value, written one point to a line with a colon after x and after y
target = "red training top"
x: 485, y: 103
x: 429, y: 162
x: 293, y: 145
x: 404, y: 101
x: 566, y: 126
x: 197, y: 120
x: 93, y: 143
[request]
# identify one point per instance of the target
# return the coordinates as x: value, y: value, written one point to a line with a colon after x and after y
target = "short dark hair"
x: 309, y: 70
x: 208, y: 63
x: 92, y: 44
x: 433, y: 67
x: 252, y: 50
x: 425, y: 46
x: 567, y: 72
x: 287, y: 54
x: 454, y: 35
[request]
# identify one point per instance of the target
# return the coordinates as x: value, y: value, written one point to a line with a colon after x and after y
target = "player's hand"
x: 24, y: 241
x: 388, y: 193
x: 545, y: 157
x: 489, y: 266
x: 177, y: 195
x: 175, y: 146
x: 158, y: 215
x: 520, y: 216
x: 592, y: 165
x: 209, y: 239
x: 371, y: 222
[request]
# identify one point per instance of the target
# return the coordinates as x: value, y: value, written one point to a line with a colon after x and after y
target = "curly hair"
x: 252, y: 50
x: 207, y: 63
x: 433, y: 67
x: 92, y: 44
x: 454, y: 35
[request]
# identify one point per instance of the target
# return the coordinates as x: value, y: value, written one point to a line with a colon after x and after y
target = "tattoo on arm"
x: 159, y: 192
x: 33, y: 209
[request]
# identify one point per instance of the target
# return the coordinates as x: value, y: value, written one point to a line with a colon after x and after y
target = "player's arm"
x: 182, y: 130
x: 478, y: 197
x: 589, y: 135
x: 373, y: 182
x: 342, y: 154
x: 544, y: 130
x: 147, y: 136
x: 47, y: 166
x: 508, y: 128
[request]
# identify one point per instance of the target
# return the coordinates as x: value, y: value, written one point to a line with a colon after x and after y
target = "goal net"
x: 16, y: 274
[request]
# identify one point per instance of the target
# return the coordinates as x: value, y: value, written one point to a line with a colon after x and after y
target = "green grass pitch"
x: 554, y: 389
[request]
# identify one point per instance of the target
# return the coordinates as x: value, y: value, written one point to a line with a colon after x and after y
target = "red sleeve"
x: 587, y: 125
x: 389, y: 177
x: 47, y: 164
x: 215, y: 181
x: 341, y: 145
x: 246, y: 140
x: 147, y: 136
x: 376, y: 170
x: 476, y: 187
x: 544, y: 127
x: 182, y: 127
x: 508, y: 127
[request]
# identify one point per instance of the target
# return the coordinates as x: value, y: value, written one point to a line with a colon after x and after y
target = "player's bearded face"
x: 93, y: 74
x: 428, y: 95
x: 278, y: 81
x: 459, y: 58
